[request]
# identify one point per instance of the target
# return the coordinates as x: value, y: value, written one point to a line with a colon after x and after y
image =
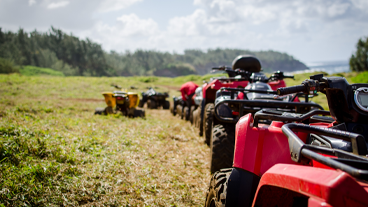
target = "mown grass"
x: 55, y: 152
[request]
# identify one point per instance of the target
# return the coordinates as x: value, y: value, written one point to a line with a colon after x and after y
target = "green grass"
x: 38, y: 71
x: 54, y: 151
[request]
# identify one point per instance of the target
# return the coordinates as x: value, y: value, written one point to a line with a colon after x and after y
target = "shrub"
x: 7, y: 66
x: 37, y: 71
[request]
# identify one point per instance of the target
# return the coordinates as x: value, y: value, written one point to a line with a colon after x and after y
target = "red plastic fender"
x: 277, y: 84
x: 216, y: 84
x: 257, y: 149
x: 324, y: 187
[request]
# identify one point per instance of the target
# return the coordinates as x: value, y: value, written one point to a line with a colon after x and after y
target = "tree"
x: 359, y: 61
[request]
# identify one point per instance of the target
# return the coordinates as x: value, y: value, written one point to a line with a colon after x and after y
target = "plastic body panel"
x: 277, y: 84
x: 209, y: 89
x: 259, y: 148
x: 323, y: 187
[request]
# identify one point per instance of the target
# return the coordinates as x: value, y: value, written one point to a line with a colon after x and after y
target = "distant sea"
x: 326, y: 66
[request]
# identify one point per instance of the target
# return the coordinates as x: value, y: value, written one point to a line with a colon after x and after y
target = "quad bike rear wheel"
x: 222, y: 147
x: 216, y: 194
x: 166, y: 105
x: 207, y: 122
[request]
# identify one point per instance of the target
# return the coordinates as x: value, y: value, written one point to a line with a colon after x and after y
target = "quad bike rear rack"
x: 354, y: 163
x: 252, y: 106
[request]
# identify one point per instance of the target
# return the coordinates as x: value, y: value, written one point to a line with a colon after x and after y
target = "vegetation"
x: 37, y: 71
x: 7, y: 66
x: 74, y: 57
x: 359, y: 61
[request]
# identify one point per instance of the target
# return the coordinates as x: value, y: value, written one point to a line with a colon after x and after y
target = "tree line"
x: 76, y: 57
x: 359, y: 61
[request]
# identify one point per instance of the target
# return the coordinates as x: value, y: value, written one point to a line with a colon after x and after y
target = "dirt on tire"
x: 216, y: 194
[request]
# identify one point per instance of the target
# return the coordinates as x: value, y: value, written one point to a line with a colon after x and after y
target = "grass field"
x: 54, y: 151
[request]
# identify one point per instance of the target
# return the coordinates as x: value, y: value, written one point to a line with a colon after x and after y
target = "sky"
x: 311, y: 31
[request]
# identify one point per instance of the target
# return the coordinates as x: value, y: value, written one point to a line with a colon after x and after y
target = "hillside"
x: 75, y: 57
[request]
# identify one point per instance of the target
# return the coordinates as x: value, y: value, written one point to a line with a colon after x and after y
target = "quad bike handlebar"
x: 291, y: 89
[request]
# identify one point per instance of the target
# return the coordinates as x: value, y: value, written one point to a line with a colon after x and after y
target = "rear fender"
x: 323, y: 187
x: 257, y: 149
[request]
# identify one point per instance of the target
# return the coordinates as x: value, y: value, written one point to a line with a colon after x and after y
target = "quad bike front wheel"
x: 191, y: 115
x: 207, y: 122
x: 222, y: 147
x: 216, y: 194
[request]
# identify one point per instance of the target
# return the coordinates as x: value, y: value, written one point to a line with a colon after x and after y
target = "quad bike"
x: 154, y: 99
x: 205, y: 109
x: 179, y: 104
x: 227, y: 112
x: 125, y: 102
x: 300, y: 159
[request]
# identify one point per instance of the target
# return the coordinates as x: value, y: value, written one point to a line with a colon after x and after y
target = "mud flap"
x: 241, y: 188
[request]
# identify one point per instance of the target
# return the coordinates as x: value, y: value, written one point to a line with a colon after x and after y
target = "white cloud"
x: 59, y: 4
x: 132, y: 25
x: 31, y: 2
x: 361, y: 4
x: 115, y: 5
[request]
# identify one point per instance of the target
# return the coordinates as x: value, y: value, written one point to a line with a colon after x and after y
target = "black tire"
x: 109, y: 110
x: 166, y: 105
x: 172, y: 110
x: 100, y: 111
x: 199, y: 121
x: 192, y: 108
x: 222, y: 147
x: 207, y: 122
x: 216, y: 194
x: 139, y: 113
x: 151, y: 104
x: 184, y: 113
x: 141, y: 103
x: 179, y: 109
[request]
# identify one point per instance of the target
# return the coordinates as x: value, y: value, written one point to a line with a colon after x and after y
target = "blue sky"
x: 314, y: 30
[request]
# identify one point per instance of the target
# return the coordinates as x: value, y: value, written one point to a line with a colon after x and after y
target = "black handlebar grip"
x: 289, y: 76
x: 291, y: 89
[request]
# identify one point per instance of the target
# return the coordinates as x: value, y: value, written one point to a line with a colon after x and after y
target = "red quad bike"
x: 179, y: 104
x: 235, y: 80
x: 317, y: 161
x: 233, y: 103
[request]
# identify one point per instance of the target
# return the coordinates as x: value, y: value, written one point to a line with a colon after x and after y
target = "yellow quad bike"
x: 125, y: 102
